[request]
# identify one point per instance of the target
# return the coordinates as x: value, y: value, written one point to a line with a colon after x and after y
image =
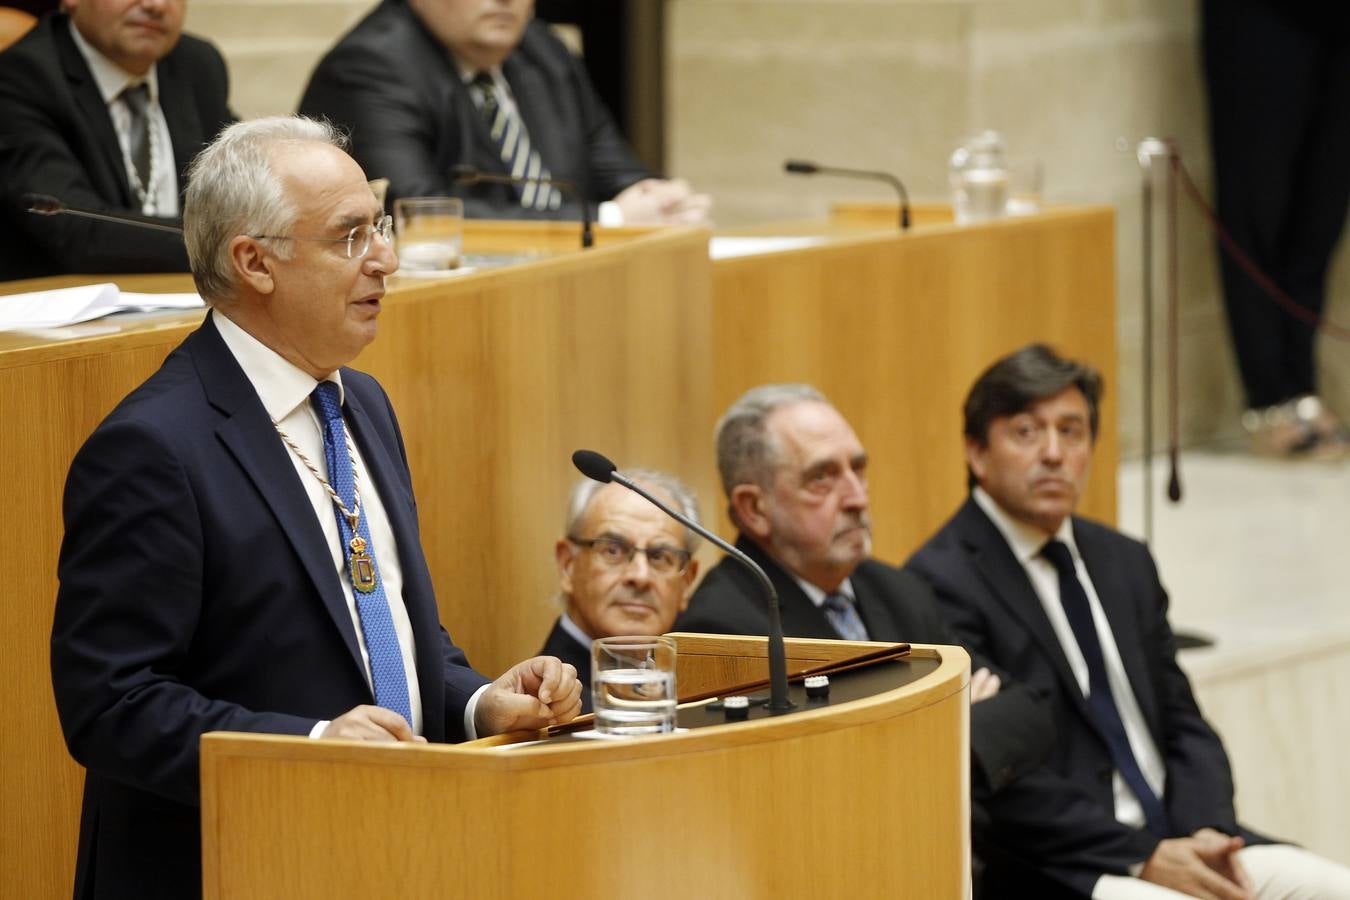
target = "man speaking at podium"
x: 242, y: 549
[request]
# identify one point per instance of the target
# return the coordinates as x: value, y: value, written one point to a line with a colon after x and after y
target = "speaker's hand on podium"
x: 532, y: 694
x: 371, y: 723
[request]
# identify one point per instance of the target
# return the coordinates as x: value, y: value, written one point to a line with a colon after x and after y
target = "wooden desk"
x: 825, y: 802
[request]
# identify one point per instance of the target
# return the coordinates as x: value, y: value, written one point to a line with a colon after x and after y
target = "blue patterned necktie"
x: 843, y: 615
x: 507, y: 130
x: 1101, y: 703
x: 372, y: 607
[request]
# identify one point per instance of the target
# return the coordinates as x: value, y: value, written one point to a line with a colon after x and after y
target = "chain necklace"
x: 360, y: 566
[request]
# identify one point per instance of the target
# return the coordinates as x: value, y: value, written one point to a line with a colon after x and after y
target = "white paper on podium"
x: 66, y: 306
x: 727, y: 247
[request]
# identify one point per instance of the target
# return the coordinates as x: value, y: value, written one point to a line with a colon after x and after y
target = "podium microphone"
x: 467, y: 174
x: 599, y: 468
x: 47, y: 205
x: 802, y: 167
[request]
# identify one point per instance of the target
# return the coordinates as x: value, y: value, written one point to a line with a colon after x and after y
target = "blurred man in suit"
x: 425, y: 85
x: 103, y: 106
x: 241, y: 548
x: 1136, y: 799
x: 624, y: 566
x: 795, y: 477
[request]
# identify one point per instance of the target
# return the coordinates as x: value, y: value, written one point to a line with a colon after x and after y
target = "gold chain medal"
x: 361, y: 566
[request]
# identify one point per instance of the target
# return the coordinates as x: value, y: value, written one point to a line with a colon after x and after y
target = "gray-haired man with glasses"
x: 242, y: 550
x: 624, y: 567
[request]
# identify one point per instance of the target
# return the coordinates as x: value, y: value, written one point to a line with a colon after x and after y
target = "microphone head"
x: 594, y: 466
x: 43, y: 204
x: 464, y: 172
x: 800, y: 167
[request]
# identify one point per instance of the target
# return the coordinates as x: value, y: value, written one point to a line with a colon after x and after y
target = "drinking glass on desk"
x: 429, y: 231
x: 633, y: 684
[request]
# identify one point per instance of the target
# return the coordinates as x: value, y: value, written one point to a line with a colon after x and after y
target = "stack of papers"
x: 66, y: 306
x: 723, y: 247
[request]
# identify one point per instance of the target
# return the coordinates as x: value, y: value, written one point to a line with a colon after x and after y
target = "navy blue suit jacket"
x: 412, y: 121
x: 197, y: 594
x: 56, y: 137
x: 1060, y: 820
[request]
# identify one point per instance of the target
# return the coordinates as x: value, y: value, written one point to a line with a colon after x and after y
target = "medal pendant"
x: 362, y: 567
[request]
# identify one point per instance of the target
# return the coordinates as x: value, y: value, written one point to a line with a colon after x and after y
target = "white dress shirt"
x: 284, y: 391
x: 161, y: 194
x: 1026, y: 543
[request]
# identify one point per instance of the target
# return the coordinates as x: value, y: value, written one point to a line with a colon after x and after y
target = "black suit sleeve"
x: 127, y: 614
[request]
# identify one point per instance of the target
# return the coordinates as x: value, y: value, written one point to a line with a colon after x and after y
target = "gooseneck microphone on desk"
x: 599, y: 468
x: 47, y: 205
x: 467, y: 174
x: 802, y: 167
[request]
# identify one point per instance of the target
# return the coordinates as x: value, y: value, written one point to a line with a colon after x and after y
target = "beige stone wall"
x: 895, y: 84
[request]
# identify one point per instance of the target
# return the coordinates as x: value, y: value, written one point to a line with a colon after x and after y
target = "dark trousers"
x: 1278, y: 77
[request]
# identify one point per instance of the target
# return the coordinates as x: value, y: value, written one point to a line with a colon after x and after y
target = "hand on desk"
x: 532, y: 694
x: 660, y: 201
x: 371, y: 723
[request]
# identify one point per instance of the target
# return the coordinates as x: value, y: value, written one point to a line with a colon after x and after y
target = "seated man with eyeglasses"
x: 624, y: 567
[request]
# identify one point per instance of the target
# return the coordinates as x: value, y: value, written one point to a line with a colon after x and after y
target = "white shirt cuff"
x: 609, y: 214
x: 317, y: 731
x: 471, y: 733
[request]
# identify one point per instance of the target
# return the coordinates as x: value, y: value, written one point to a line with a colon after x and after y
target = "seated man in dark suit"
x: 624, y: 566
x: 795, y: 476
x: 1137, y: 795
x: 241, y: 548
x: 103, y: 108
x: 426, y: 85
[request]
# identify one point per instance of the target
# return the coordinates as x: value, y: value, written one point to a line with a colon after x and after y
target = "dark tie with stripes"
x: 137, y: 99
x: 508, y: 134
x: 1101, y: 704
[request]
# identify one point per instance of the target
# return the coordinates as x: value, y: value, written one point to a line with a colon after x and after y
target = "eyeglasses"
x: 618, y: 552
x: 357, y: 240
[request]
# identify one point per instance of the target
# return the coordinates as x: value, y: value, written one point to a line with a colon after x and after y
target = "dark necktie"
x: 137, y: 99
x: 843, y: 615
x: 1101, y: 704
x: 372, y: 607
x: 507, y: 130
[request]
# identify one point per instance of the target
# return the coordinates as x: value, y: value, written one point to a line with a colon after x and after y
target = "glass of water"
x: 429, y: 231
x: 633, y: 684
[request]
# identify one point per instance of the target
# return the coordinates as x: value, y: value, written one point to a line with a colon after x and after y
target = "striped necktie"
x: 1102, y: 709
x: 507, y: 130
x: 137, y: 100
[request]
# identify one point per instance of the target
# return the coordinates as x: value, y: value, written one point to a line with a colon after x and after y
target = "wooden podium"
x: 867, y: 797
